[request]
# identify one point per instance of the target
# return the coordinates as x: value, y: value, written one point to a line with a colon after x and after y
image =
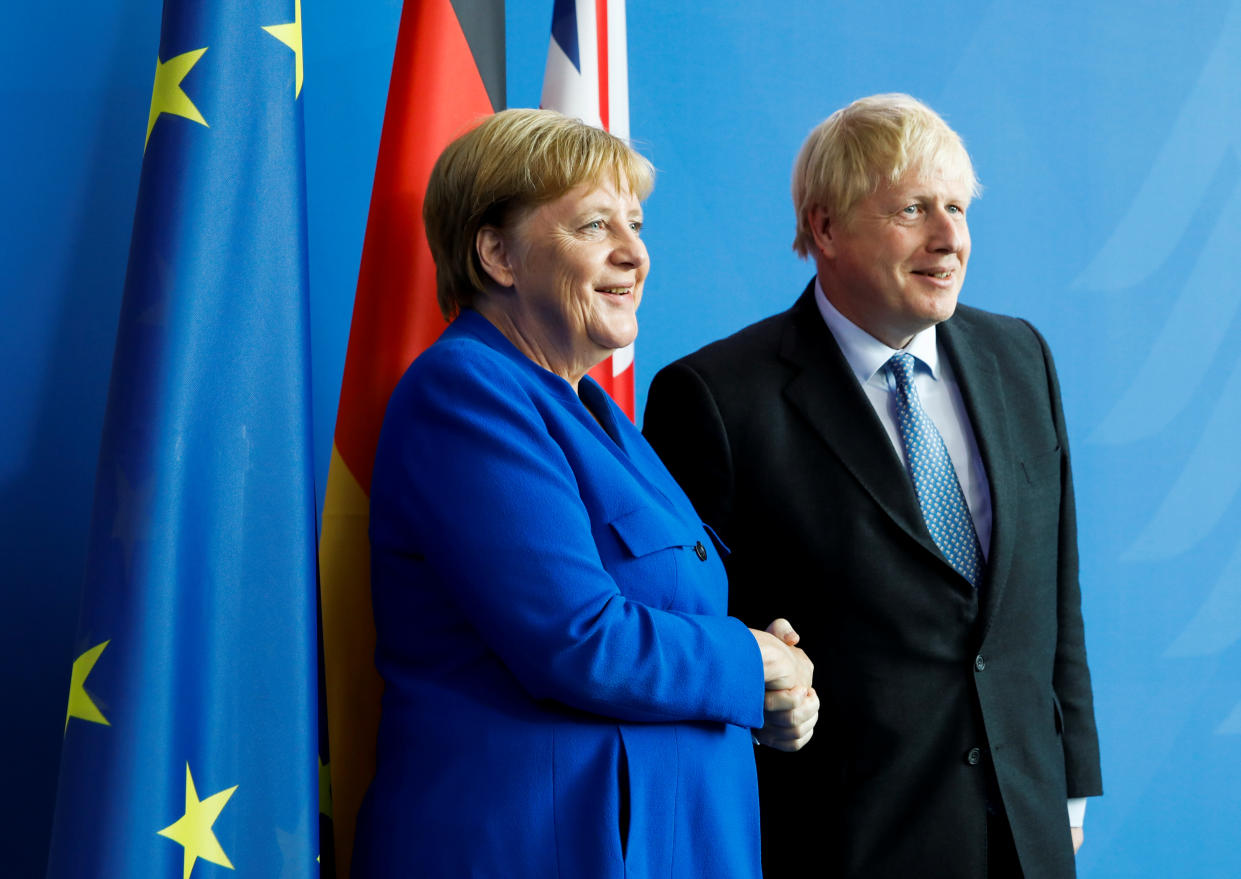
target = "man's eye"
x: 593, y: 226
x: 910, y: 209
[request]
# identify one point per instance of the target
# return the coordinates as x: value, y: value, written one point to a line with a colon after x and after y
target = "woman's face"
x: 578, y: 265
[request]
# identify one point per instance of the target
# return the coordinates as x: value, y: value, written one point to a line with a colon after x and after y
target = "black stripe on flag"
x: 482, y: 22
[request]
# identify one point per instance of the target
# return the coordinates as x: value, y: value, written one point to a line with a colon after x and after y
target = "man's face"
x: 894, y: 266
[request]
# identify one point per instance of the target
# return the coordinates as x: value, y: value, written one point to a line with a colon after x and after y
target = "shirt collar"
x: 865, y: 354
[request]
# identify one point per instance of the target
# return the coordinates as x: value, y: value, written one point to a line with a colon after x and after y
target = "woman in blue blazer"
x: 564, y: 693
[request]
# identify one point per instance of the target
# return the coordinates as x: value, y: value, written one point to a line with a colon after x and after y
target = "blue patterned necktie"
x: 934, y: 478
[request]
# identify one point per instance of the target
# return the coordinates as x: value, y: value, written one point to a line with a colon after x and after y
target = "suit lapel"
x: 982, y: 391
x: 825, y: 391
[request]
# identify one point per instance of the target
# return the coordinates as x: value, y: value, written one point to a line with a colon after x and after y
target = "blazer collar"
x: 982, y: 390
x: 590, y: 406
x: 826, y: 392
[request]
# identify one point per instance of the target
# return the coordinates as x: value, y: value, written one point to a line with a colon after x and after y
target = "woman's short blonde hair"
x: 874, y: 140
x: 508, y: 163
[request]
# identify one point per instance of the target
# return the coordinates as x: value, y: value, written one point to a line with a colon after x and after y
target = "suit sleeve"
x: 1071, y: 677
x: 490, y: 499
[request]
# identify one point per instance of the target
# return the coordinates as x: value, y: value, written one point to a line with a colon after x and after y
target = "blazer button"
x: 974, y: 756
x: 979, y: 663
x: 701, y: 551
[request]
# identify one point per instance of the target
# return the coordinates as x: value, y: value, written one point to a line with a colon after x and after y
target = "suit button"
x: 979, y: 663
x: 973, y: 756
x: 701, y: 551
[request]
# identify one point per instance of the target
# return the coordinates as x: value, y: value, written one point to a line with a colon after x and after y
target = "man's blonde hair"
x: 872, y: 141
x: 508, y: 163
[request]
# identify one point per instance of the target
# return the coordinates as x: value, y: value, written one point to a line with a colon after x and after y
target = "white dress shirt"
x: 937, y: 391
x: 941, y: 400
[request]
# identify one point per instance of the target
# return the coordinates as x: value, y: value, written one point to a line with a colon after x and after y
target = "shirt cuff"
x: 1077, y: 811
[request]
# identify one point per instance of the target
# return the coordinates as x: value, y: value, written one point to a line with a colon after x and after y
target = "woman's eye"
x: 910, y: 210
x: 593, y: 226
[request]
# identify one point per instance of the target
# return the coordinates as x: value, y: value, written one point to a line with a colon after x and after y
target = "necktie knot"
x: 901, y: 368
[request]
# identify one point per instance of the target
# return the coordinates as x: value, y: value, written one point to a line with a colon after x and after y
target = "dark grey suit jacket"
x: 938, y: 702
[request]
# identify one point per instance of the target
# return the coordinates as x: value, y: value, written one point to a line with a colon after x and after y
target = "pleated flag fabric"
x: 448, y: 72
x: 190, y: 740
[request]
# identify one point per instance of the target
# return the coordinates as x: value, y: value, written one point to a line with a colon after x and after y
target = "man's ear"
x: 495, y: 255
x: 821, y: 227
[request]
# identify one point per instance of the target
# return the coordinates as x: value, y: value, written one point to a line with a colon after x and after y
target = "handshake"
x: 790, y: 707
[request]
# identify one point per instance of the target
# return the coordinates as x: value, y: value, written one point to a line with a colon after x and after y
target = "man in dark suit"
x: 892, y: 471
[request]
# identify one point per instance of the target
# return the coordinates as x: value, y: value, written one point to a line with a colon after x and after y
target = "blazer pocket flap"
x: 1043, y: 466
x: 645, y: 530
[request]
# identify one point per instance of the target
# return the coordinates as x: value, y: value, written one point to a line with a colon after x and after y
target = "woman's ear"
x: 821, y: 229
x: 495, y: 255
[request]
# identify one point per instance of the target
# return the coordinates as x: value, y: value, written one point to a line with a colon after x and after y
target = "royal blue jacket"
x: 564, y: 694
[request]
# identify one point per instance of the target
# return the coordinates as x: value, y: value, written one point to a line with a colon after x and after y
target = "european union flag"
x: 191, y: 731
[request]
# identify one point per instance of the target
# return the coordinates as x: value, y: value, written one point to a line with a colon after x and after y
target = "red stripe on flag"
x: 435, y: 93
x: 601, y: 34
x: 618, y: 387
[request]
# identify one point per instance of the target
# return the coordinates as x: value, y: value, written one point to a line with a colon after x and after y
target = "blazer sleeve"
x: 1071, y: 676
x: 487, y: 496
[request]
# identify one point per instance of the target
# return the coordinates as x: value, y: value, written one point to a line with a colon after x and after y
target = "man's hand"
x: 784, y: 665
x: 791, y: 706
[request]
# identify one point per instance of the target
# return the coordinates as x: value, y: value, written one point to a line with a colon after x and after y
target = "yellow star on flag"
x: 291, y: 36
x: 80, y: 703
x: 193, y: 829
x: 167, y: 96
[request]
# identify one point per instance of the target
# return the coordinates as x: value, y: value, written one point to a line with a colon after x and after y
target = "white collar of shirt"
x: 865, y: 354
x: 939, y: 395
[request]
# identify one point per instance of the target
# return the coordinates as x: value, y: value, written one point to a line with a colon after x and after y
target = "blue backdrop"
x: 1107, y: 136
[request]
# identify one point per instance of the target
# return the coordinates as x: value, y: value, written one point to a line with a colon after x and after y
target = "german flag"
x: 448, y: 72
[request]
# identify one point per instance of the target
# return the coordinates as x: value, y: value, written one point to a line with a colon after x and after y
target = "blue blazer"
x: 564, y: 694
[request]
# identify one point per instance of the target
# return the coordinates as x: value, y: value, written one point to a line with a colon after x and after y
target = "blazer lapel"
x: 826, y: 392
x: 982, y: 391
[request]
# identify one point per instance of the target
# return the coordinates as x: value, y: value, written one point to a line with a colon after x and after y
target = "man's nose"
x: 948, y: 231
